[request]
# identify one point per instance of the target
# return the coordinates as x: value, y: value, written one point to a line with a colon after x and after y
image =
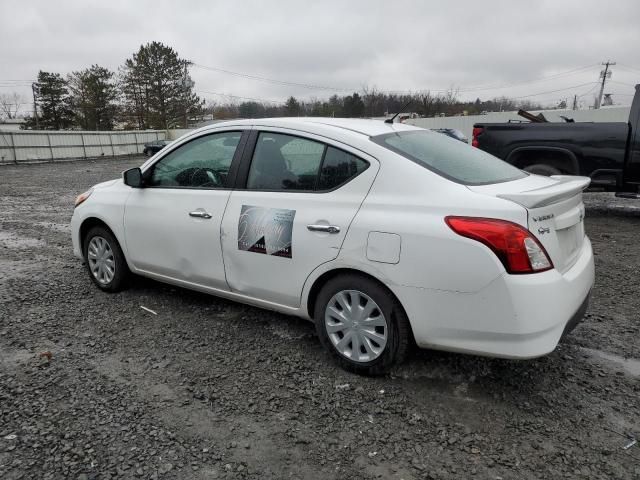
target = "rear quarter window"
x: 449, y: 158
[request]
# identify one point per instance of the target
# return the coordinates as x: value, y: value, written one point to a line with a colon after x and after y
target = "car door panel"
x: 163, y: 238
x: 273, y: 240
x: 172, y: 229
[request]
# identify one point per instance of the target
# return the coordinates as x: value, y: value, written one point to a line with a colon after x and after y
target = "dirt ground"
x: 208, y: 388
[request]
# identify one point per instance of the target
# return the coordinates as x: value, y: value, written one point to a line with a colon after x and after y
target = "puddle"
x: 630, y: 365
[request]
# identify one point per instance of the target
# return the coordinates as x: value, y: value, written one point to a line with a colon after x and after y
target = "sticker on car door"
x: 266, y: 230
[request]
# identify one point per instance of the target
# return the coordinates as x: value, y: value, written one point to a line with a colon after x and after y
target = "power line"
x: 548, y: 77
x: 554, y: 91
x: 629, y: 68
x: 240, y: 97
x: 589, y: 91
x: 270, y: 80
x: 622, y: 83
x: 325, y: 87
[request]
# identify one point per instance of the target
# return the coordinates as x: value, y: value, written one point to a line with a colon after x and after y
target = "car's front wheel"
x: 362, y: 324
x: 105, y: 261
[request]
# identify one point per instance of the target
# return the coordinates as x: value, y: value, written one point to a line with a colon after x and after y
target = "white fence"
x: 465, y: 124
x: 45, y: 146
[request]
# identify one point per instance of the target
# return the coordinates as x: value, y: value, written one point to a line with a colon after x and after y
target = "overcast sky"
x: 525, y: 48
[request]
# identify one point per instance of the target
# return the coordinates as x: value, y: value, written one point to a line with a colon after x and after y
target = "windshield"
x: 449, y: 158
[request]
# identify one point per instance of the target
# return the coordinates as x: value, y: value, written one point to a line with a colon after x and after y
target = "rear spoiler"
x: 566, y: 187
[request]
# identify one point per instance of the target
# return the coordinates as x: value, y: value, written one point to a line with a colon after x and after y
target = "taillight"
x: 477, y: 131
x: 515, y: 246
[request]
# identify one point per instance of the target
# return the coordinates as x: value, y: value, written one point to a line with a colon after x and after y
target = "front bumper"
x: 75, y: 235
x: 515, y: 316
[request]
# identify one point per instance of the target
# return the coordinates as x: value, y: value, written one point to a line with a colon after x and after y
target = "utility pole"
x: 604, y: 74
x: 187, y: 83
x: 35, y: 109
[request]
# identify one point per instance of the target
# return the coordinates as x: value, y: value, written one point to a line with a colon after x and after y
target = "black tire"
x: 147, y: 153
x: 121, y: 274
x: 542, y: 169
x: 398, y: 329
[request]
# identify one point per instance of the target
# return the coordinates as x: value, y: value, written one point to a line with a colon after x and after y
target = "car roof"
x: 356, y: 126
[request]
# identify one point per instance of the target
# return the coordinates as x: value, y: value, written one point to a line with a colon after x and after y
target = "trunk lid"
x: 555, y: 212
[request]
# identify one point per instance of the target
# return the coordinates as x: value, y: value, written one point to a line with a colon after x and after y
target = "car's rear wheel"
x: 105, y: 261
x: 542, y: 169
x: 362, y: 324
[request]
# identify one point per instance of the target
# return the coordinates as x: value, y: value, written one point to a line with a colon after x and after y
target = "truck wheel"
x: 542, y: 169
x: 362, y: 325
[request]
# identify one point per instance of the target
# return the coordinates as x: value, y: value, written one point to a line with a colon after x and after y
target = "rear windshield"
x: 449, y: 158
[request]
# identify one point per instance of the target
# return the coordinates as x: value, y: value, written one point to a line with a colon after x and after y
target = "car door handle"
x: 324, y: 228
x: 200, y: 214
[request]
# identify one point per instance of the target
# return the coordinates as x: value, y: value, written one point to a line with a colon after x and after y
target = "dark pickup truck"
x: 608, y: 152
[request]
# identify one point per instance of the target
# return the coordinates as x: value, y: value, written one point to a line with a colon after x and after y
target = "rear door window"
x: 284, y: 162
x: 449, y: 158
x: 287, y: 162
x: 339, y: 167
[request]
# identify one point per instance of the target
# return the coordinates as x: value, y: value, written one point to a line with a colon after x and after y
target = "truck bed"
x: 596, y: 150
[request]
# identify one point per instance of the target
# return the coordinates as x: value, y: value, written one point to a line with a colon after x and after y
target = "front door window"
x: 201, y: 163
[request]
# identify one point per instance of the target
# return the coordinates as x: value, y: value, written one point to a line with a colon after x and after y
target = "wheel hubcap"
x: 356, y: 326
x: 101, y: 260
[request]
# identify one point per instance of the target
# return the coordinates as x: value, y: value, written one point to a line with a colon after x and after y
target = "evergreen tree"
x: 292, y: 107
x: 94, y: 95
x: 157, y: 89
x: 251, y: 110
x: 53, y: 103
x: 353, y: 106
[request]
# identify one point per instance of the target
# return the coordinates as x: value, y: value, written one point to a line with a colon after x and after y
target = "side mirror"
x: 133, y: 177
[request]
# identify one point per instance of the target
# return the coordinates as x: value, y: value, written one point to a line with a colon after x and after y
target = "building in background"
x: 11, y: 124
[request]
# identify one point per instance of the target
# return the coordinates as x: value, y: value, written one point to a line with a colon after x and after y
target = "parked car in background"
x: 154, y: 147
x: 381, y: 233
x: 607, y: 152
x: 453, y: 133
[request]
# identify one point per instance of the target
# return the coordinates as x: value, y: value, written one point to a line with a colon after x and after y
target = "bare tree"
x: 426, y: 103
x: 10, y: 104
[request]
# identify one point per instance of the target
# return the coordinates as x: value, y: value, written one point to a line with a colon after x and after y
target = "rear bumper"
x: 516, y: 316
x: 576, y: 318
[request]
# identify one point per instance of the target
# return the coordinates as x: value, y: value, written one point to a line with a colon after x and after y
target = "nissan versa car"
x: 382, y: 234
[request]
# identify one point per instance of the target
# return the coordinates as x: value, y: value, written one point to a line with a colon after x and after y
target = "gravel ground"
x: 93, y: 386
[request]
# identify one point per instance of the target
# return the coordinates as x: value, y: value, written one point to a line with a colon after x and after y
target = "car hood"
x: 106, y: 184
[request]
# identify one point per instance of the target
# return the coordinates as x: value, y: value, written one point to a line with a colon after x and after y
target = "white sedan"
x: 382, y: 234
